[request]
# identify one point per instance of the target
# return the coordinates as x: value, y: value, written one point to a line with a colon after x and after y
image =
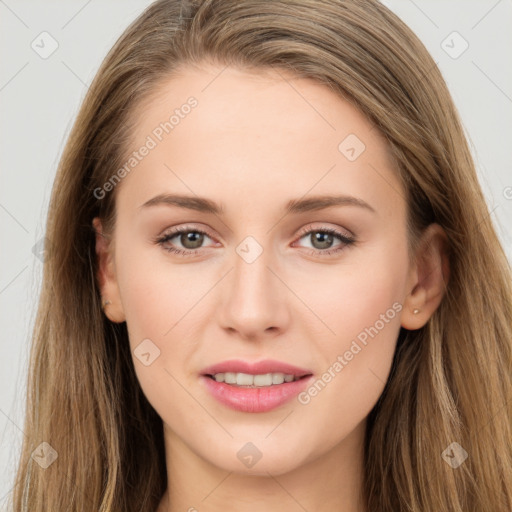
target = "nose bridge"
x: 254, y: 300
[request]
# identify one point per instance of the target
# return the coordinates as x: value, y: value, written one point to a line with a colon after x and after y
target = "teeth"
x: 278, y: 378
x: 246, y: 379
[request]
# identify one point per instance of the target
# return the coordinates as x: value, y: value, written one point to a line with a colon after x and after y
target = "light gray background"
x: 39, y: 99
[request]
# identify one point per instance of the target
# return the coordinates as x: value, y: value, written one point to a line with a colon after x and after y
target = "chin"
x: 259, y: 458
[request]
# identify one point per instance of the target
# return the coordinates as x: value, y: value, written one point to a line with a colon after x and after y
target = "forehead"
x: 219, y: 130
x: 239, y: 99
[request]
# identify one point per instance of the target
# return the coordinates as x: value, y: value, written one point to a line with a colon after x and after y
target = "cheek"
x: 156, y: 297
x: 156, y: 293
x: 363, y: 308
x: 161, y: 301
x: 356, y: 295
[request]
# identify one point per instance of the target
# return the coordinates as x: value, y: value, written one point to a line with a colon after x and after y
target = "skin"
x: 254, y: 142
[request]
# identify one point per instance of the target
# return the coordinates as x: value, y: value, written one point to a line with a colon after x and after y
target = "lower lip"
x: 260, y: 399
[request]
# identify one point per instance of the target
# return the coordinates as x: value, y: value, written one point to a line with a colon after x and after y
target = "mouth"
x: 262, y: 380
x: 254, y: 387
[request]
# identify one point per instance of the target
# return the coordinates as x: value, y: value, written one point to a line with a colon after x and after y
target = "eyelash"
x: 346, y: 240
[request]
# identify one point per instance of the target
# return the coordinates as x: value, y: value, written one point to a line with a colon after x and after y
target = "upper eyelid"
x: 310, y: 228
x: 183, y: 229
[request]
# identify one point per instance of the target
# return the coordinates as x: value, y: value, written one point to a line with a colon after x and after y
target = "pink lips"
x: 259, y: 368
x: 255, y: 399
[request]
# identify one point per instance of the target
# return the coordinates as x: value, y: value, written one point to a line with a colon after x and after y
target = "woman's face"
x: 270, y: 171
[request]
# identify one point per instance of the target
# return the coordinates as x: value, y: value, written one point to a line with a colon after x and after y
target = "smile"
x: 248, y: 380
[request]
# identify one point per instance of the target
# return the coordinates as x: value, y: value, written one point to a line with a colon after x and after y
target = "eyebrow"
x: 204, y: 205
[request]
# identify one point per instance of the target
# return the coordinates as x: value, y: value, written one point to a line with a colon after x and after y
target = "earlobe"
x: 414, y: 316
x: 106, y: 276
x: 429, y: 278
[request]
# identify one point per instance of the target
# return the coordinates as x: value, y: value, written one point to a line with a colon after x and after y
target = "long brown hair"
x: 451, y: 380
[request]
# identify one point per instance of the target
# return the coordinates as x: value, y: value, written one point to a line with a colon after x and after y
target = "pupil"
x: 325, y: 240
x: 194, y: 238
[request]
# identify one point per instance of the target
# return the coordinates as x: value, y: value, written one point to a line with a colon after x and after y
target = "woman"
x: 191, y: 353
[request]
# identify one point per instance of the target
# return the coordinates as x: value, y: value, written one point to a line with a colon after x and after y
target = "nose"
x: 253, y: 301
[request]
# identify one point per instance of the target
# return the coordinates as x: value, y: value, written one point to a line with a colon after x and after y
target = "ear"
x: 107, y: 275
x: 428, y: 278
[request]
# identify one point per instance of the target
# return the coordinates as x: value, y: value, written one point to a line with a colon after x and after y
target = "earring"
x: 416, y: 311
x: 105, y: 303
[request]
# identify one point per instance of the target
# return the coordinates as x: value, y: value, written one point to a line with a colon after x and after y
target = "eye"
x: 322, y: 240
x: 190, y: 239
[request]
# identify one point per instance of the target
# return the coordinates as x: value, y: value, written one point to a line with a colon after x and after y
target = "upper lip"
x: 255, y: 368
